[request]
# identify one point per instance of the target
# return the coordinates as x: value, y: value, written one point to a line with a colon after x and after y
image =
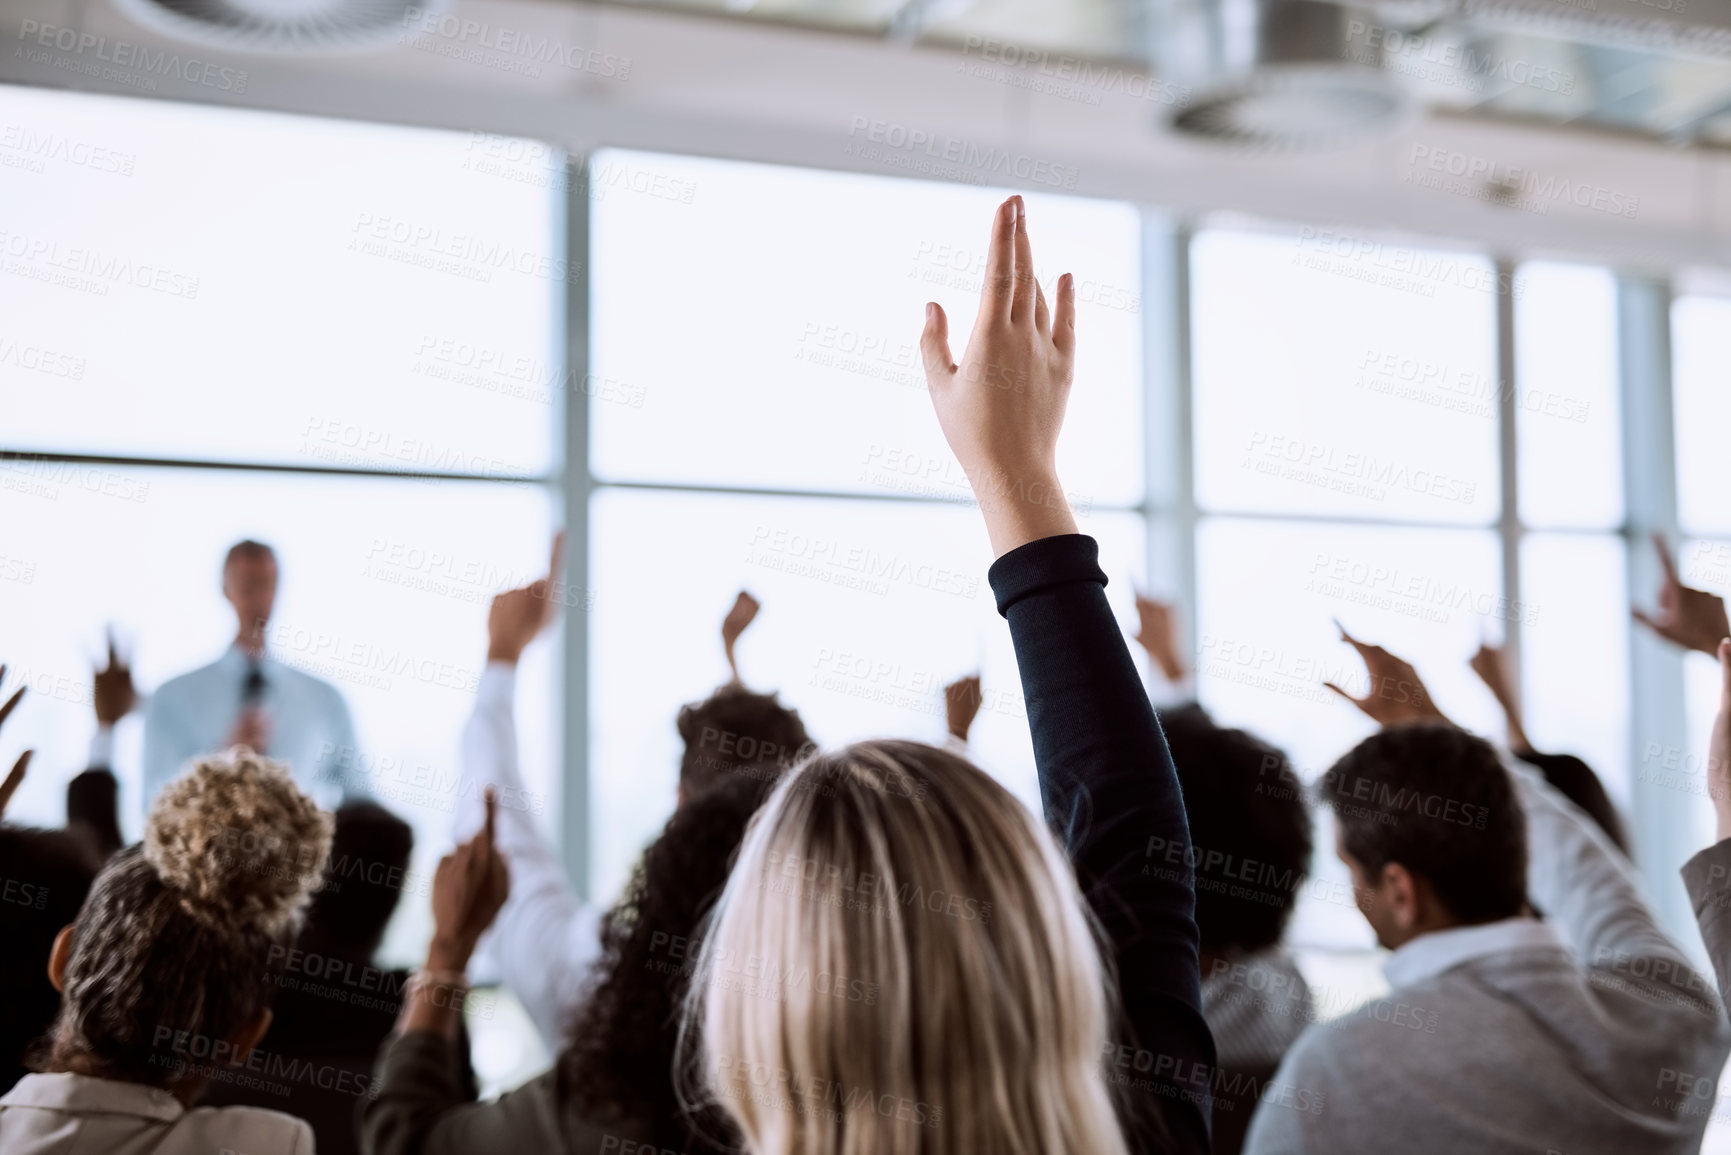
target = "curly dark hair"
x: 619, y: 1061
x: 1249, y: 827
x: 1437, y: 800
x: 735, y: 728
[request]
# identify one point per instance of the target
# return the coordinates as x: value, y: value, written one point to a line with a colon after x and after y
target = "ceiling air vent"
x: 285, y: 26
x: 1274, y: 74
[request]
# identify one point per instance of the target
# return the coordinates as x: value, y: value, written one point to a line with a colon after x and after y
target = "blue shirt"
x: 310, y: 727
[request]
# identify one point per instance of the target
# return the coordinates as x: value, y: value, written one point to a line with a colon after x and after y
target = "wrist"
x: 448, y: 956
x: 504, y: 652
x: 1021, y: 505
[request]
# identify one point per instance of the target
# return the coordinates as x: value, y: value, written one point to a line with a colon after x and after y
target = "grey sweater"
x: 1707, y: 878
x: 1573, y: 1036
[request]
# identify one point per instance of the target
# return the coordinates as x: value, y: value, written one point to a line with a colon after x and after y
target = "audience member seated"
x: 907, y: 868
x: 335, y: 1007
x: 1569, y: 775
x: 1502, y: 1033
x: 1696, y: 620
x: 44, y: 876
x: 546, y: 940
x: 612, y: 1087
x: 166, y: 976
x: 1250, y: 830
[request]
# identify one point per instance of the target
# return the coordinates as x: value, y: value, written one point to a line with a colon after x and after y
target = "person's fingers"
x: 15, y: 779
x: 1345, y: 695
x: 1064, y: 316
x: 1652, y: 623
x: 491, y: 799
x: 1664, y: 552
x: 935, y: 343
x: 1022, y: 306
x: 12, y: 702
x: 1042, y: 315
x: 998, y: 291
x: 113, y: 650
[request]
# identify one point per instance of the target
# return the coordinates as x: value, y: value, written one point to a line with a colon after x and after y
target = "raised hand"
x: 743, y: 613
x: 1158, y: 634
x: 962, y: 700
x: 470, y: 885
x: 1693, y: 619
x: 15, y: 778
x: 517, y: 616
x: 1492, y: 666
x: 113, y: 692
x: 1002, y: 407
x: 1397, y: 694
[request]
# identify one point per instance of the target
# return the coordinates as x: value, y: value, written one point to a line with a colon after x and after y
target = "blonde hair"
x: 175, y: 948
x: 901, y: 963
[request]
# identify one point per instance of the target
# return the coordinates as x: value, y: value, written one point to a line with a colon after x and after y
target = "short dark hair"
x: 735, y: 728
x: 50, y: 872
x: 1438, y: 801
x: 247, y: 549
x: 1246, y: 805
x: 363, y: 882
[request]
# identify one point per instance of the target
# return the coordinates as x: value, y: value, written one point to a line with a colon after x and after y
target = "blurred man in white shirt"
x: 248, y: 698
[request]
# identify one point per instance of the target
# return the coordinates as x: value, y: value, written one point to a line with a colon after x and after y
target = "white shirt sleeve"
x: 546, y: 940
x: 101, y: 748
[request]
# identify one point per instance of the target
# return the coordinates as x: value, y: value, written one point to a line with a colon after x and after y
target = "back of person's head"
x: 901, y: 962
x: 734, y: 728
x: 1436, y: 800
x: 1245, y: 805
x: 45, y: 875
x: 362, y: 884
x: 620, y: 1058
x: 174, y: 953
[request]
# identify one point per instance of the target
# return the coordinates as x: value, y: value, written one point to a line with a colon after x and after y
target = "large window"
x: 306, y: 311
x: 777, y: 372
x: 352, y: 341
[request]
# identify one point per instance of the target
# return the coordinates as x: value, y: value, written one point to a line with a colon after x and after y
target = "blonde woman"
x: 994, y: 1023
x: 166, y: 976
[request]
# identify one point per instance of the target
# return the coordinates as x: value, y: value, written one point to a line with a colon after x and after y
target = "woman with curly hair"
x: 613, y: 1085
x: 166, y: 976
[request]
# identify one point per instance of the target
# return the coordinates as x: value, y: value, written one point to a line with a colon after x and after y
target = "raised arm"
x: 546, y: 938
x: 1106, y: 776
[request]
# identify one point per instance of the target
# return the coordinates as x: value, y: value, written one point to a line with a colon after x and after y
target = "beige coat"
x: 58, y: 1114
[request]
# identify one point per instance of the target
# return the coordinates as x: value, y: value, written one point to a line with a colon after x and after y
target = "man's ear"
x: 59, y: 957
x: 1402, y: 897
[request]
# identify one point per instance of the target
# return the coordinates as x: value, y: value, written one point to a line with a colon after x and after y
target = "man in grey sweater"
x: 1503, y: 1033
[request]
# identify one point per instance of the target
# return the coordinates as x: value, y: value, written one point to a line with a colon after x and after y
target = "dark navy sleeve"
x: 1111, y: 794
